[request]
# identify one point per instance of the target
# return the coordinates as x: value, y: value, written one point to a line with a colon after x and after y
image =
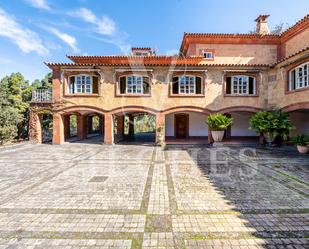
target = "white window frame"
x: 82, y: 89
x: 187, y: 84
x: 240, y: 79
x: 300, y: 81
x: 205, y: 53
x: 134, y: 80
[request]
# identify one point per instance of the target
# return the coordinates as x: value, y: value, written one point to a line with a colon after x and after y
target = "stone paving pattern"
x: 85, y: 195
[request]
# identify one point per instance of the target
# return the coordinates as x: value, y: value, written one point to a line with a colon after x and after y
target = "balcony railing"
x: 42, y: 95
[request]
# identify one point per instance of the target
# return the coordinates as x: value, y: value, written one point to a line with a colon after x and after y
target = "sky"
x: 34, y: 31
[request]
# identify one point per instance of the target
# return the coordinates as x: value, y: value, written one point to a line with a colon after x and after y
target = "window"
x: 208, y: 55
x: 83, y: 84
x: 299, y: 77
x: 134, y: 85
x: 240, y: 85
x: 187, y: 85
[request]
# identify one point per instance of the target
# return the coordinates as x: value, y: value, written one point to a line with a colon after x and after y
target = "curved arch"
x: 81, y: 108
x: 296, y: 106
x: 128, y: 109
x: 240, y: 109
x: 186, y: 109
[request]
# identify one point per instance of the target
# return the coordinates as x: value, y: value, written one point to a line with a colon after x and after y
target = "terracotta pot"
x: 303, y: 149
x: 217, y: 135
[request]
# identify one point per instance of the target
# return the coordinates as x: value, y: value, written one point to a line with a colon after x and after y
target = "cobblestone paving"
x: 131, y: 196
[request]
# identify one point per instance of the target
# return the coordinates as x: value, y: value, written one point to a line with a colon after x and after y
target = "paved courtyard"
x: 133, y: 196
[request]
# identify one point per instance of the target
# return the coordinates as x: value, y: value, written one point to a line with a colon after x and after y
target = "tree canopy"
x: 15, y: 96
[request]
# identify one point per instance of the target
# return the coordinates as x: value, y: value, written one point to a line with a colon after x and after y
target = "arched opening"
x: 239, y: 131
x: 186, y: 127
x: 46, y: 120
x: 300, y: 119
x: 86, y: 127
x: 134, y: 127
x: 299, y: 116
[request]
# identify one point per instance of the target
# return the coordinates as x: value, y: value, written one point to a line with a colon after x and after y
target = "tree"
x: 15, y: 96
x: 9, y: 120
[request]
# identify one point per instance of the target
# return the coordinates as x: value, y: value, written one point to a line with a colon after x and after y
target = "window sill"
x: 187, y: 95
x: 82, y: 95
x: 297, y: 90
x: 241, y: 95
x: 132, y: 95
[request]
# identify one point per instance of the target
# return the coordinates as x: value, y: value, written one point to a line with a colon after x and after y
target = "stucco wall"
x: 160, y: 100
x: 297, y: 43
x: 277, y: 94
x: 301, y: 121
x: 238, y: 53
x: 197, y: 125
x: 240, y: 125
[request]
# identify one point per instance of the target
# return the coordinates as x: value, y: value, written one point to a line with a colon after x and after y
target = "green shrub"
x: 302, y: 140
x: 218, y: 122
x: 9, y: 119
x: 274, y: 122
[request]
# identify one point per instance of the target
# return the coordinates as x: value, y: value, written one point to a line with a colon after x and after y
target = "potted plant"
x: 271, y: 124
x: 218, y: 123
x: 160, y: 135
x: 302, y: 143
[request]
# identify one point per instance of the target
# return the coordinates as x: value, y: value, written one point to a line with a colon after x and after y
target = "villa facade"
x: 234, y: 74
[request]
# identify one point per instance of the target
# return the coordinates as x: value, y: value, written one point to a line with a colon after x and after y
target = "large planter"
x: 269, y: 137
x: 217, y: 136
x: 303, y: 149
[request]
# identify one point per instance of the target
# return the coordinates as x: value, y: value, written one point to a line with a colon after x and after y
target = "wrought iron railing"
x: 42, y: 95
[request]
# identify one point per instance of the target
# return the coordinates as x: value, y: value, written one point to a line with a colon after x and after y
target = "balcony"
x: 42, y: 96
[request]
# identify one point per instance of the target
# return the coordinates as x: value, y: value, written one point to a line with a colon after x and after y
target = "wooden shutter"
x: 228, y: 86
x: 198, y: 85
x: 95, y: 85
x: 123, y: 83
x: 175, y: 85
x: 146, y: 86
x: 292, y: 80
x: 251, y: 85
x: 71, y: 84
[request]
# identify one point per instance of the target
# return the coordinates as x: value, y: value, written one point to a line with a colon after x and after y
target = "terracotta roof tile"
x: 166, y: 63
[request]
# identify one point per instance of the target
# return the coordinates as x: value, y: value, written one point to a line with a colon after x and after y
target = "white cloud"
x: 27, y: 40
x: 68, y: 39
x: 40, y: 4
x: 103, y: 25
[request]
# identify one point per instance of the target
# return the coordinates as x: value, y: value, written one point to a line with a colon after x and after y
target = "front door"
x: 181, y: 125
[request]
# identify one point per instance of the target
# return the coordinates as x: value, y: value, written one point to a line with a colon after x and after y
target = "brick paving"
x: 132, y: 196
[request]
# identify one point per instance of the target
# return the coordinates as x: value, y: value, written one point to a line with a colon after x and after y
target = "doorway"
x: 181, y: 125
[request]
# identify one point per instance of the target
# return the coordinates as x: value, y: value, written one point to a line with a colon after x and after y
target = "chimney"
x: 261, y: 25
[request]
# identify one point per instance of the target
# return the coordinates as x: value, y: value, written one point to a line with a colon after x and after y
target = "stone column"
x: 120, y: 127
x: 160, y: 128
x: 66, y: 126
x: 35, y: 128
x: 131, y: 125
x: 210, y: 140
x: 58, y: 130
x: 81, y: 127
x: 108, y: 129
x: 89, y: 124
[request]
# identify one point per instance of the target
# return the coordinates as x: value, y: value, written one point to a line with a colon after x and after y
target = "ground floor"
x: 133, y: 196
x: 184, y: 125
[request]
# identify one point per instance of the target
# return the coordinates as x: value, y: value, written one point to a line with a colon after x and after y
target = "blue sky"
x: 34, y: 31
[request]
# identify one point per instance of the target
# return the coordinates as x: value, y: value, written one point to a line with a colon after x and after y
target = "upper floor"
x: 212, y: 71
